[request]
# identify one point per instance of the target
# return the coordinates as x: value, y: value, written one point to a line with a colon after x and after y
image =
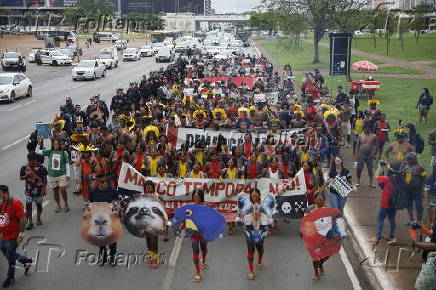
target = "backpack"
x: 398, y: 199
x: 419, y: 144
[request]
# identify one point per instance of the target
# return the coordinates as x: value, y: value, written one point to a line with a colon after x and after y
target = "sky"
x: 234, y: 6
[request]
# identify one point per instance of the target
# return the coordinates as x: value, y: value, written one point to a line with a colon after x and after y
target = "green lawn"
x: 432, y: 64
x: 398, y: 98
x: 302, y: 59
x: 299, y: 59
x: 425, y: 50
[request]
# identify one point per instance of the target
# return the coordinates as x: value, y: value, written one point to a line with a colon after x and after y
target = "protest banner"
x: 219, y: 193
x: 177, y: 136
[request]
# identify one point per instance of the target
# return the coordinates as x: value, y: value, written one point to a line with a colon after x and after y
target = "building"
x: 400, y: 4
x: 189, y: 22
x: 165, y: 6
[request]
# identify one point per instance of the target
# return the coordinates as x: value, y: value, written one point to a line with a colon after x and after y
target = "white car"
x: 12, y: 60
x: 358, y: 32
x: 156, y: 46
x: 66, y: 52
x: 31, y: 55
x: 109, y: 57
x: 14, y: 85
x: 146, y: 50
x: 55, y: 58
x: 88, y: 69
x: 131, y: 53
x: 120, y: 44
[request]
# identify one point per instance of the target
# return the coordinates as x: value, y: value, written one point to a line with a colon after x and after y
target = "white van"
x: 106, y: 36
x: 109, y: 57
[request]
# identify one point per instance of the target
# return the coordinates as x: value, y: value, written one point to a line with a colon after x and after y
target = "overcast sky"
x: 233, y: 6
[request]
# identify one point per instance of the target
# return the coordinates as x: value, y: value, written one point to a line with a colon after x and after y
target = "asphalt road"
x: 288, y: 265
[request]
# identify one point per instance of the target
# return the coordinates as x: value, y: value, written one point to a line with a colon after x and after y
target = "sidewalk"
x: 380, y: 262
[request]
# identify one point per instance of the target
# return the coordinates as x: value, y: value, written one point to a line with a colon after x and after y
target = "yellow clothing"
x: 196, y: 175
x: 358, y: 126
x: 231, y: 173
x: 153, y: 166
x: 182, y: 170
x: 304, y: 156
x: 199, y: 157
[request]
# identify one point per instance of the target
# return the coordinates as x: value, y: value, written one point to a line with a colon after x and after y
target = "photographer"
x: 388, y: 177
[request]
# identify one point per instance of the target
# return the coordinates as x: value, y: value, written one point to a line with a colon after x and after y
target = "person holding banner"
x: 336, y: 169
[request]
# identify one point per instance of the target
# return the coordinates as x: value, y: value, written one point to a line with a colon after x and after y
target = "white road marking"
x: 16, y: 142
x: 13, y: 108
x: 349, y: 269
x: 31, y: 102
x: 49, y: 81
x: 172, y: 263
x: 76, y: 86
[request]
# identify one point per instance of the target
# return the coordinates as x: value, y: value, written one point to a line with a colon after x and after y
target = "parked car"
x: 13, y: 86
x: 88, y: 69
x: 55, y: 58
x: 12, y: 60
x: 109, y: 57
x: 131, y: 53
x: 146, y: 50
x: 165, y: 54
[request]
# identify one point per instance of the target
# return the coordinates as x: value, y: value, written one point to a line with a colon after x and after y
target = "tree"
x: 293, y: 25
x: 319, y: 13
x: 420, y: 20
x: 264, y: 21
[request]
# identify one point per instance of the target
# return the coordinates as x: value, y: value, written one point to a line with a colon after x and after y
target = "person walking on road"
x: 35, y: 176
x: 105, y: 193
x: 58, y: 172
x: 12, y: 227
x: 337, y: 168
x: 367, y: 146
x: 414, y: 179
x: 392, y: 177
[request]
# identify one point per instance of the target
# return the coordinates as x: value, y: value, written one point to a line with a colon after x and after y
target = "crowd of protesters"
x: 92, y: 143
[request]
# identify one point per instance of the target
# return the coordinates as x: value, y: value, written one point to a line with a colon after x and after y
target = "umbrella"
x: 364, y: 65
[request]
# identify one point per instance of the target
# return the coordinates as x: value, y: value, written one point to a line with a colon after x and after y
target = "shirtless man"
x: 399, y: 149
x: 365, y: 152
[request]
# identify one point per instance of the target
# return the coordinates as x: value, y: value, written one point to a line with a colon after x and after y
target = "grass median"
x: 424, y: 50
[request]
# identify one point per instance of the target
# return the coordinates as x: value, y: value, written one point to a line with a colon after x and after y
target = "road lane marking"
x: 172, y: 263
x: 76, y: 86
x: 49, y: 81
x: 13, y: 108
x: 16, y: 142
x: 349, y: 269
x: 31, y: 102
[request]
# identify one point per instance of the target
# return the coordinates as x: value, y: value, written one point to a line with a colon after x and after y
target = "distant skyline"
x: 234, y: 6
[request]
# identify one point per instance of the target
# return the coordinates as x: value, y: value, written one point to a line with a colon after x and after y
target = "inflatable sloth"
x: 101, y: 224
x: 144, y: 214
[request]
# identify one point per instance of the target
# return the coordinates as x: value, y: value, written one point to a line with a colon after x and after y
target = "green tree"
x: 319, y: 14
x: 293, y: 25
x: 264, y: 21
x: 420, y: 20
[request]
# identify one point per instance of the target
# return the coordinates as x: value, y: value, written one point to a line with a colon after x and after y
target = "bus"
x: 159, y: 36
x: 59, y: 35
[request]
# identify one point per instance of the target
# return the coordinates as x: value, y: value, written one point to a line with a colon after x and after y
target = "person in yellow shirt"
x: 152, y: 163
x: 358, y: 129
x: 196, y: 172
x: 183, y: 166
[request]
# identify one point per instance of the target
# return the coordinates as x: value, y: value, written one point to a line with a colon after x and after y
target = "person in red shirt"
x: 213, y: 168
x: 12, y: 226
x: 386, y: 182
